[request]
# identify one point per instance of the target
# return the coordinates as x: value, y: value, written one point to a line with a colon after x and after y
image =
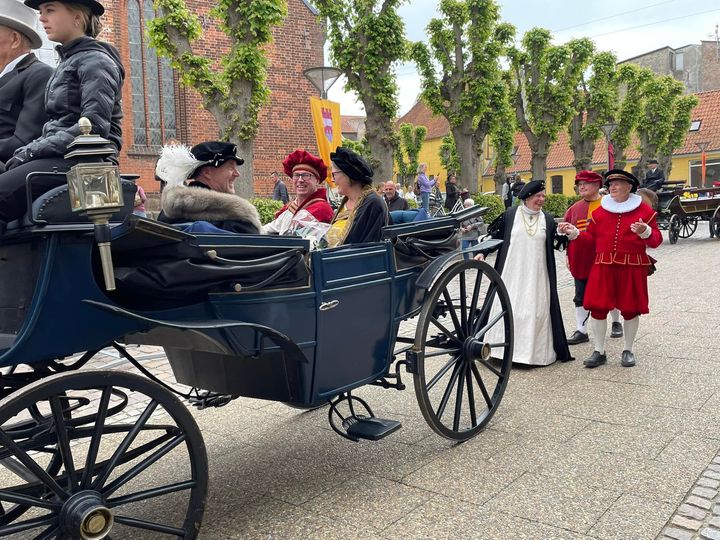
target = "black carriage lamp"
x: 95, y: 189
x: 322, y: 78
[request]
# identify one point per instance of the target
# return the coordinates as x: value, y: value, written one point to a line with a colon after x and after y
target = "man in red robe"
x: 580, y: 259
x: 619, y: 233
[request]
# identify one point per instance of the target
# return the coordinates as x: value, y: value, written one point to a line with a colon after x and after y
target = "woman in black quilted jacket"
x: 87, y: 82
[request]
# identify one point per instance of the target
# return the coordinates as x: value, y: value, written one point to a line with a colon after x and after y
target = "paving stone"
x: 712, y: 474
x: 697, y: 501
x: 715, y: 522
x: 710, y: 533
x: 692, y: 512
x: 706, y: 493
x: 716, y: 509
x: 708, y: 483
x: 686, y: 523
x: 677, y: 534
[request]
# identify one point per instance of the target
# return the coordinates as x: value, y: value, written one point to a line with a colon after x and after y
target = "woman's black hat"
x: 531, y: 188
x: 96, y: 8
x: 352, y: 164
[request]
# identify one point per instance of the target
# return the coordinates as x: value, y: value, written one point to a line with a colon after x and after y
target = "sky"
x: 626, y: 27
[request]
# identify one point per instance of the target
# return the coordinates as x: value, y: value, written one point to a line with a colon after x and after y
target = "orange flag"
x: 328, y: 128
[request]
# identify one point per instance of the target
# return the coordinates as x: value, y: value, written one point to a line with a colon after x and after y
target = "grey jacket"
x: 22, y: 104
x: 87, y: 82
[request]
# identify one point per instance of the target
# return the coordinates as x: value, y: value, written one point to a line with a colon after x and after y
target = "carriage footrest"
x: 372, y: 429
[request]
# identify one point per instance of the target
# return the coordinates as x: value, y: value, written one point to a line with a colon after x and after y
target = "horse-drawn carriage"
x: 680, y: 210
x: 93, y: 453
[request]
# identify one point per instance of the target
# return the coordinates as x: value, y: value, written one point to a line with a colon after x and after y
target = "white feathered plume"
x: 176, y: 164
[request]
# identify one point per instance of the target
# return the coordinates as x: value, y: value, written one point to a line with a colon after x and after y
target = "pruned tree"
x: 448, y: 154
x: 545, y: 80
x: 461, y: 74
x: 233, y: 91
x: 595, y: 102
x: 406, y: 156
x: 664, y: 121
x: 502, y: 138
x: 367, y: 37
x: 361, y: 147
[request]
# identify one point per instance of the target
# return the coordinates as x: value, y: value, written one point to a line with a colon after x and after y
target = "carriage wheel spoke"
x: 484, y: 311
x: 443, y: 370
x: 26, y: 500
x: 445, y: 331
x: 150, y: 493
x: 462, y: 372
x: 149, y: 526
x: 28, y: 525
x: 49, y: 533
x: 96, y: 437
x: 490, y: 367
x: 471, y: 397
x: 31, y: 465
x: 451, y: 308
x: 63, y: 442
x: 481, y: 384
x: 143, y: 465
x: 475, y: 295
x: 448, y: 390
x: 125, y: 444
x: 442, y: 353
x: 463, y: 304
x: 492, y: 323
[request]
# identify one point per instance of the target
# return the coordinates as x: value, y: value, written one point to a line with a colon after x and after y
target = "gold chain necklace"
x: 531, y: 226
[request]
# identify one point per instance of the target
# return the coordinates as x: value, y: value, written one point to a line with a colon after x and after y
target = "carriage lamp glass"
x: 94, y: 188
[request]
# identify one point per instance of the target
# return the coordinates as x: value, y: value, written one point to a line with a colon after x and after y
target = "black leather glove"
x: 20, y: 158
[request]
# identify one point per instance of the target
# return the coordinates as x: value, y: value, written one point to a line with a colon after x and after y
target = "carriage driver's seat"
x: 53, y: 207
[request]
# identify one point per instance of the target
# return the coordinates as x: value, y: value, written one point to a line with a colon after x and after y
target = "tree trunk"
x: 499, y: 178
x: 665, y: 163
x: 539, y: 157
x: 245, y: 183
x: 465, y: 146
x: 620, y: 160
x: 378, y: 131
x: 583, y: 147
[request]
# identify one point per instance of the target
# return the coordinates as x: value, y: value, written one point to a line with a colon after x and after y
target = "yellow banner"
x: 328, y: 128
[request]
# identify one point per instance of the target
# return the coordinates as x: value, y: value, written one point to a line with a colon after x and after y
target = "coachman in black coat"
x: 22, y: 104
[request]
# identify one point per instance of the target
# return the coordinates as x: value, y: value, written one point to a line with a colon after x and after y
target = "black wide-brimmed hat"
x: 619, y: 174
x: 531, y: 188
x: 352, y: 164
x: 215, y: 153
x: 96, y: 8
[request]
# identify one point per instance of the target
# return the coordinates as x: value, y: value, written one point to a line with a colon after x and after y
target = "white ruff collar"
x: 528, y: 211
x: 631, y: 204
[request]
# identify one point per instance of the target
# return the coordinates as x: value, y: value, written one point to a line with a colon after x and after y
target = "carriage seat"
x: 53, y: 207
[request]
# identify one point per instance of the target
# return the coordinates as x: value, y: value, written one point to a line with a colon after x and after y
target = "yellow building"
x: 686, y: 165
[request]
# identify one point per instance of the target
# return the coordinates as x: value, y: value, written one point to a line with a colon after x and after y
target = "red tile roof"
x: 561, y: 156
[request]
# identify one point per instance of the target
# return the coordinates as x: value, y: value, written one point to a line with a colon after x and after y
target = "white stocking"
x: 631, y: 330
x: 599, y: 329
x: 615, y: 314
x: 581, y: 317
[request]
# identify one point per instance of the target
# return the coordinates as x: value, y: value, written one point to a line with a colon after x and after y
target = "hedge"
x: 266, y: 208
x: 557, y: 203
x: 493, y: 202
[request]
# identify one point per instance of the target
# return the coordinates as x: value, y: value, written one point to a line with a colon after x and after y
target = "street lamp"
x: 702, y: 146
x: 515, y: 156
x: 322, y: 78
x: 608, y: 130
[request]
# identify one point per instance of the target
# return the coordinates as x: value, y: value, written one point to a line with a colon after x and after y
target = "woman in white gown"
x: 526, y: 262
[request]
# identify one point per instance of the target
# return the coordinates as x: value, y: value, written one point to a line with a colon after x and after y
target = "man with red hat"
x: 307, y: 172
x: 620, y: 231
x: 580, y: 258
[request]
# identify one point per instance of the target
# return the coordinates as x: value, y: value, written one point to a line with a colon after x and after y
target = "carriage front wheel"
x: 674, y: 227
x: 463, y: 350
x: 132, y: 459
x: 715, y: 224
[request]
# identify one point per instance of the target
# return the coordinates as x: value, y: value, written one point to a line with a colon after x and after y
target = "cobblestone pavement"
x: 610, y: 453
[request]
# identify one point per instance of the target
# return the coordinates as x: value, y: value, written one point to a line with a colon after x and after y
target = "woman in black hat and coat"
x: 87, y: 82
x: 526, y: 262
x: 362, y: 213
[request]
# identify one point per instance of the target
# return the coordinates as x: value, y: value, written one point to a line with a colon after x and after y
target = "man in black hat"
x: 210, y: 194
x: 654, y: 176
x: 22, y: 78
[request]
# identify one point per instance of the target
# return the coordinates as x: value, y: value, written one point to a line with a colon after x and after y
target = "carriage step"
x: 372, y: 429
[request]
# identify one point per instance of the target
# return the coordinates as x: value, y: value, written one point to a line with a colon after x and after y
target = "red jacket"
x: 316, y: 204
x: 609, y: 233
x: 580, y: 256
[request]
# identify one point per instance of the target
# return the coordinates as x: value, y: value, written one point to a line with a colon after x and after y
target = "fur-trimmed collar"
x: 200, y: 204
x: 631, y: 204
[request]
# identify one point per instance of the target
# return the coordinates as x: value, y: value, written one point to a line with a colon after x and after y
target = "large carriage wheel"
x: 460, y: 373
x: 132, y: 459
x: 674, y: 228
x: 687, y: 227
x: 715, y: 224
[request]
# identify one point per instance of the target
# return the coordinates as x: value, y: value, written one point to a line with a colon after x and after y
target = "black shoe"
x: 628, y: 359
x: 616, y: 330
x: 578, y: 337
x: 596, y: 359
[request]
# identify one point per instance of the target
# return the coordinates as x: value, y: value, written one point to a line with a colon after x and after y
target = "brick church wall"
x: 285, y: 122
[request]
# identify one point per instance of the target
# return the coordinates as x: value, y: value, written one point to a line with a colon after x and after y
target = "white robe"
x: 526, y: 279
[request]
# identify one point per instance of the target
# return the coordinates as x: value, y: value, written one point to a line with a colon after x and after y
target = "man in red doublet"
x: 620, y: 231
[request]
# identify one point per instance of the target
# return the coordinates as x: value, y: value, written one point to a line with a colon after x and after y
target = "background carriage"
x: 680, y: 210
